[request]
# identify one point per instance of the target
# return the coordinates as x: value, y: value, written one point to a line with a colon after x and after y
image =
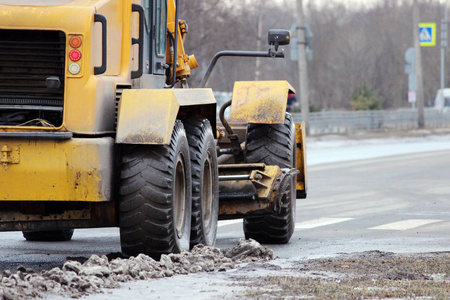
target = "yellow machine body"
x: 87, y: 107
x: 259, y: 102
x: 148, y: 116
x: 302, y: 178
x: 66, y: 173
x: 56, y: 170
x: 82, y: 169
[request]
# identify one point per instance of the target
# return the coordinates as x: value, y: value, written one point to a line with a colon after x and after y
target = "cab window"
x: 160, y: 27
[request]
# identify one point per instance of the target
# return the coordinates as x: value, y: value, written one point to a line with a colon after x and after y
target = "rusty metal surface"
x: 53, y: 225
x: 12, y: 216
x: 239, y: 129
x: 236, y: 209
x: 236, y: 189
x: 260, y: 194
x: 235, y: 169
x: 17, y: 216
x: 238, y: 201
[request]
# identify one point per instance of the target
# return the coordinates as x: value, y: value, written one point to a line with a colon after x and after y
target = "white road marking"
x: 320, y: 222
x: 229, y: 222
x: 405, y: 225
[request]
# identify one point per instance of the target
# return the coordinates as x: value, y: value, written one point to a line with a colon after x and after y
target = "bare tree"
x: 352, y: 47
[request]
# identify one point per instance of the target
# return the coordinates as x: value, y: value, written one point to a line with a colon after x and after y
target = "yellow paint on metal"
x: 9, y: 155
x: 234, y: 209
x: 264, y: 181
x: 114, y: 11
x: 64, y: 170
x: 148, y: 116
x: 88, y: 108
x: 261, y: 102
x: 184, y: 62
x: 302, y: 182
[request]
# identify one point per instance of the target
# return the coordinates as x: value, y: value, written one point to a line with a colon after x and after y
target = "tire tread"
x: 146, y: 198
x: 271, y: 145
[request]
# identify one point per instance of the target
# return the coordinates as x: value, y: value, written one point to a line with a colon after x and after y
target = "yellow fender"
x: 260, y: 102
x: 302, y: 178
x: 148, y: 116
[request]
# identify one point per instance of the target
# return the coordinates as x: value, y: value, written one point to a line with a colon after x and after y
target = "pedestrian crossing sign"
x: 427, y: 34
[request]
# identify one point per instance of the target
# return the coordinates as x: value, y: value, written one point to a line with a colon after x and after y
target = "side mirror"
x: 279, y: 37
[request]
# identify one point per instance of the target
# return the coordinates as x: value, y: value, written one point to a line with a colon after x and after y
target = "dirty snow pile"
x: 77, y: 279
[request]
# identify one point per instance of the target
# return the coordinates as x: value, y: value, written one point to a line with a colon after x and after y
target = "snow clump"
x: 76, y: 279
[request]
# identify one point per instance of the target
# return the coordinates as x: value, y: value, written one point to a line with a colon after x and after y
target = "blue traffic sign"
x: 427, y: 34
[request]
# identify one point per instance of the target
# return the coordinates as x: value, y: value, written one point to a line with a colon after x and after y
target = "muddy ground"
x: 367, y: 275
x: 247, y: 271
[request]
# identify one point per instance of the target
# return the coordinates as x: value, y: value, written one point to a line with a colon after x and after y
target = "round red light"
x: 75, y: 55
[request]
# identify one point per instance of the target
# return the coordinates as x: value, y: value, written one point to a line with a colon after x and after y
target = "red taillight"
x: 75, y: 55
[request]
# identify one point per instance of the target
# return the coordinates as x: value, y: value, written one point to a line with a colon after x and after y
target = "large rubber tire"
x: 273, y: 145
x: 205, y: 181
x: 155, y: 197
x: 48, y: 235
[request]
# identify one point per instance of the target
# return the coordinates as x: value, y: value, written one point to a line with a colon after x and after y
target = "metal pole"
x: 302, y: 66
x: 443, y: 45
x: 259, y: 40
x: 419, y: 92
x: 218, y: 55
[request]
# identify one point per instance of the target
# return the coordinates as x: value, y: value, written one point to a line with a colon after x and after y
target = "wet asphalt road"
x: 397, y: 204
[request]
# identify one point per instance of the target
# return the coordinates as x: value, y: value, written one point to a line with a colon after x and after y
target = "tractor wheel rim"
x: 207, y: 195
x: 180, y: 197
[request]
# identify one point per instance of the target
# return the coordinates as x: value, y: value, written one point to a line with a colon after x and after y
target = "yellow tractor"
x: 99, y: 128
